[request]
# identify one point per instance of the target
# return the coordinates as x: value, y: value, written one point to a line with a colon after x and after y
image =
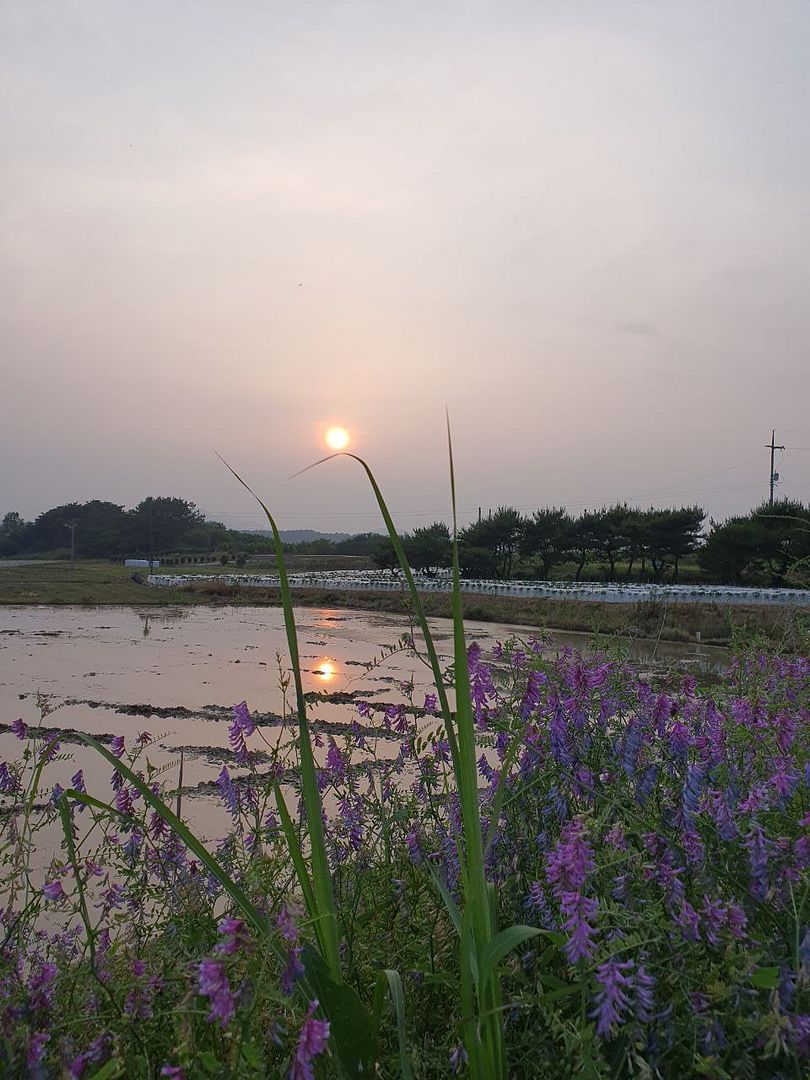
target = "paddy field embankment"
x: 712, y: 623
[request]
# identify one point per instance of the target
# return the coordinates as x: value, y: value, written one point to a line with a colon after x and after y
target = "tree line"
x: 769, y: 545
x: 157, y: 525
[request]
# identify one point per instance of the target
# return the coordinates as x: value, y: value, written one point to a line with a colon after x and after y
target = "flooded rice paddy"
x: 175, y: 673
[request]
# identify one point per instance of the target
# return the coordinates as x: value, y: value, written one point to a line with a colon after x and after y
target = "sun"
x: 337, y: 438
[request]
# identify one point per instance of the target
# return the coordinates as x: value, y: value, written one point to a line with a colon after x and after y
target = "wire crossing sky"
x: 582, y: 226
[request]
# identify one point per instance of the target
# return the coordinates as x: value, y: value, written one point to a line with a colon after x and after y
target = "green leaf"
x: 502, y: 944
x: 565, y: 991
x: 351, y: 1024
x: 449, y: 902
x: 766, y: 978
x: 208, y: 1061
x: 252, y: 1055
x: 111, y: 1069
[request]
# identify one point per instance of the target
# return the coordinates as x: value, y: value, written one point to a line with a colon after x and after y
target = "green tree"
x: 731, y: 549
x: 429, y: 548
x: 784, y: 537
x: 500, y: 535
x: 163, y: 524
x: 614, y: 534
x: 547, y: 537
x: 13, y: 533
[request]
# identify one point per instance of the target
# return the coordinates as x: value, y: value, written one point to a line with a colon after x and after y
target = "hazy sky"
x: 585, y: 227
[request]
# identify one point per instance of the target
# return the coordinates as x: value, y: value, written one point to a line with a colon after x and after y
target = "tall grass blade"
x: 491, y: 1061
x: 350, y: 1020
x: 321, y: 876
x: 297, y: 857
x: 413, y: 593
x: 391, y: 979
x: 240, y: 899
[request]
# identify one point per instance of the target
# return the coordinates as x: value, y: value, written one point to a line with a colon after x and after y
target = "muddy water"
x: 174, y: 673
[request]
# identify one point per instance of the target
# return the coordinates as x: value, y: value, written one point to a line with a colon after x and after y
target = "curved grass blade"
x: 413, y: 592
x: 350, y: 1020
x: 478, y: 915
x: 240, y: 899
x: 321, y: 877
x: 501, y: 945
x: 297, y: 857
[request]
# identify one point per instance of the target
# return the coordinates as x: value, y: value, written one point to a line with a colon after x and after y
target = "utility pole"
x: 72, y: 526
x: 151, y: 534
x: 773, y: 448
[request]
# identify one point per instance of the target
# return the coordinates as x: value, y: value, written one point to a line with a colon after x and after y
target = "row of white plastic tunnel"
x: 613, y: 592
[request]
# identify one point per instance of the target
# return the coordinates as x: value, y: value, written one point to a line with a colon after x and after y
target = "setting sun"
x: 337, y: 438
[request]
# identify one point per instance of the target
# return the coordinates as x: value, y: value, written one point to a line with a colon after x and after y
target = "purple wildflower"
x: 173, y: 1072
x: 612, y: 1000
x: 715, y: 918
x: 644, y: 1003
x: 242, y: 717
x: 678, y: 738
x: 737, y: 921
x: 335, y: 761
x: 19, y: 729
x: 312, y: 1041
x: 579, y: 912
x: 800, y: 1033
x: 784, y: 778
x: 531, y: 696
x: 458, y: 1058
x: 213, y: 984
x: 572, y: 861
x: 227, y: 792
x: 693, y: 847
x: 688, y: 921
x: 758, y: 857
x: 36, y: 1049
x: 235, y: 937
x: 431, y: 701
x: 692, y: 790
x: 414, y: 848
x: 616, y: 837
x: 646, y: 783
x: 117, y: 745
x: 53, y: 891
x: 536, y: 903
x: 236, y: 741
x: 9, y: 781
x: 41, y: 986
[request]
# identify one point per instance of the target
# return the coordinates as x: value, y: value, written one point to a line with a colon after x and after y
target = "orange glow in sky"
x: 337, y: 438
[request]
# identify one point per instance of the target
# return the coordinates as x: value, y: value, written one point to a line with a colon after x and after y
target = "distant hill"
x: 304, y: 536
